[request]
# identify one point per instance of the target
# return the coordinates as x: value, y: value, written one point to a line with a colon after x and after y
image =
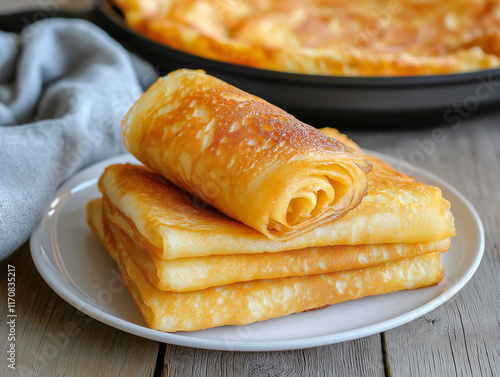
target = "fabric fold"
x: 61, y: 103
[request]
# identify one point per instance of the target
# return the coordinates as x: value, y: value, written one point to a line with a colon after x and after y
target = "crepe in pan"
x: 397, y: 209
x: 247, y: 158
x: 196, y: 273
x: 334, y: 37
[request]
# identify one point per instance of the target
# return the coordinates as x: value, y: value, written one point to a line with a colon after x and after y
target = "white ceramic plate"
x: 77, y: 267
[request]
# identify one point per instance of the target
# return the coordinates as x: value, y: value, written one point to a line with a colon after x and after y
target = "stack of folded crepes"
x: 242, y: 213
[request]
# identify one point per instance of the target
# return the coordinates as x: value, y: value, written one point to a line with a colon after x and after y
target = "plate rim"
x: 58, y: 282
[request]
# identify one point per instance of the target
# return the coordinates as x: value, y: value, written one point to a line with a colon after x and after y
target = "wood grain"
x: 55, y: 339
x: 460, y: 338
x: 337, y: 360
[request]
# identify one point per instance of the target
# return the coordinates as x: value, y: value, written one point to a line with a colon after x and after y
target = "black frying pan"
x: 354, y: 102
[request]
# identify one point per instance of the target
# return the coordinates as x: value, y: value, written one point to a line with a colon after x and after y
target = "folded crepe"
x: 227, y: 273
x: 259, y: 300
x: 172, y: 225
x: 247, y: 158
x: 196, y: 273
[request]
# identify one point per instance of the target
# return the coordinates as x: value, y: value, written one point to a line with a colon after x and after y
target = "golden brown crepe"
x: 247, y: 158
x: 189, y: 274
x: 335, y: 37
x: 228, y: 273
x: 258, y: 300
x: 397, y: 209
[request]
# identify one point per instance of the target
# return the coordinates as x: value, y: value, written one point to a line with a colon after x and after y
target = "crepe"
x: 258, y: 300
x: 189, y: 267
x: 335, y: 37
x: 247, y: 158
x: 396, y: 210
x: 196, y: 273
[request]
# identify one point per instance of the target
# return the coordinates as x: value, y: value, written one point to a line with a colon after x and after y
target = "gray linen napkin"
x: 64, y: 87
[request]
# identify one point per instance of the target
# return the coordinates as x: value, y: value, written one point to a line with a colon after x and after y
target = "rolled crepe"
x: 259, y: 300
x: 247, y: 158
x: 196, y: 273
x: 397, y: 210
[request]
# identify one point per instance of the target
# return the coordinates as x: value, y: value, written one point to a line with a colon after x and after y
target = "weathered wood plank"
x: 362, y: 357
x: 54, y: 339
x: 462, y: 337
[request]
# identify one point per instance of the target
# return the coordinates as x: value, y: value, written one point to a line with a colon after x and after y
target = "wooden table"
x: 460, y: 338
